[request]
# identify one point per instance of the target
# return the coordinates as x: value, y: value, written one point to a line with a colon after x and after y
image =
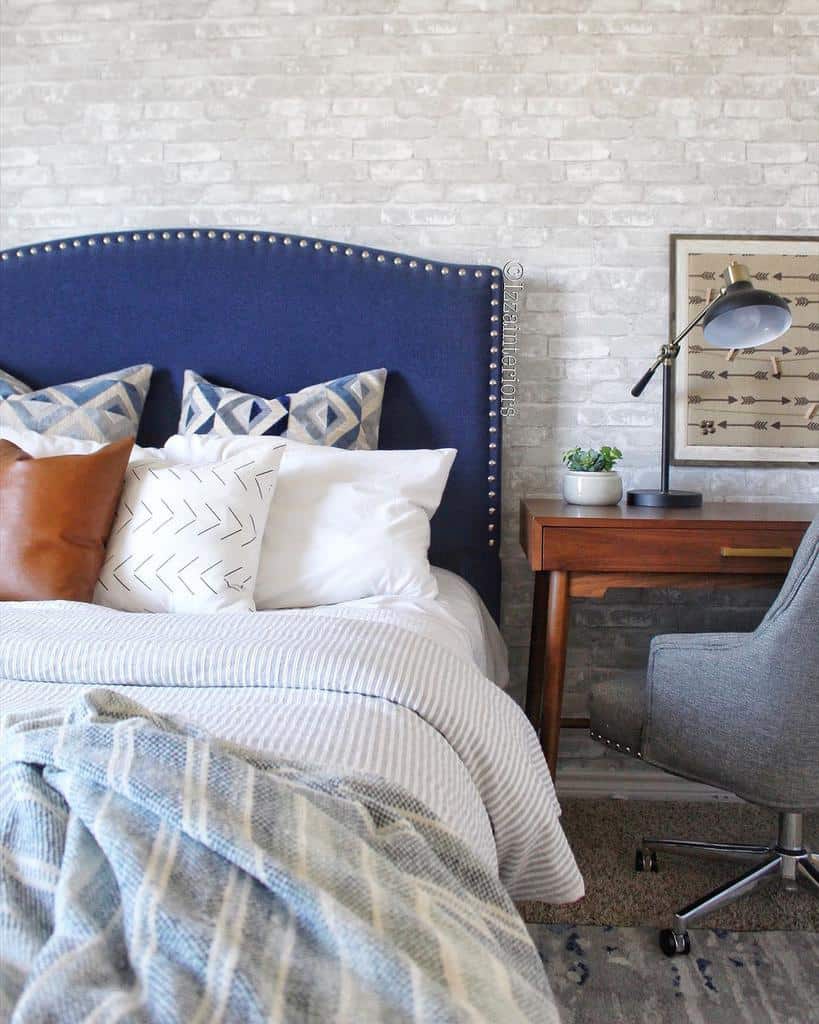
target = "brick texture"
x: 573, y: 135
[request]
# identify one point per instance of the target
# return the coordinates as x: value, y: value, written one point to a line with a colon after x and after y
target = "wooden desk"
x: 583, y: 551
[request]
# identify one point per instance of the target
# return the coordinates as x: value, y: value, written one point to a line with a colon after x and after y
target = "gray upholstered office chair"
x: 741, y: 712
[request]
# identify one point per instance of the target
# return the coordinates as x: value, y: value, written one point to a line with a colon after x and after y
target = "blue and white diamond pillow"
x: 11, y: 386
x: 103, y: 409
x: 343, y: 413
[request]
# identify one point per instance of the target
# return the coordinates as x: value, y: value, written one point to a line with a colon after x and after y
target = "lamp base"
x: 665, y: 499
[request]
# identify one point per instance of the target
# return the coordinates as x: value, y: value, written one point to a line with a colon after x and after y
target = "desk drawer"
x: 726, y: 549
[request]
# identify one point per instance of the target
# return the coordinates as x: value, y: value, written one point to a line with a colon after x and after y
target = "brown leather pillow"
x: 55, y: 517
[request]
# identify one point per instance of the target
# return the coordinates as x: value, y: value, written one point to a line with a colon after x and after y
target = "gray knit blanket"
x: 148, y: 873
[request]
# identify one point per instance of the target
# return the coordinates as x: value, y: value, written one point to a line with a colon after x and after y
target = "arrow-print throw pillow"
x: 343, y: 413
x: 187, y: 538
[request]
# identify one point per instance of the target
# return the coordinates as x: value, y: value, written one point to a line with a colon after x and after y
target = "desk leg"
x: 537, y: 650
x: 557, y: 632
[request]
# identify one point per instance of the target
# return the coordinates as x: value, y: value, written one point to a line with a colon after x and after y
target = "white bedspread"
x: 367, y: 689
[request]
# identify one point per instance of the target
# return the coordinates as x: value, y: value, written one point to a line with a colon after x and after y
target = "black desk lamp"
x: 741, y: 316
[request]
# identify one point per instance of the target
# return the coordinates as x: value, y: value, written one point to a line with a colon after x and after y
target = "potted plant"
x: 591, y: 479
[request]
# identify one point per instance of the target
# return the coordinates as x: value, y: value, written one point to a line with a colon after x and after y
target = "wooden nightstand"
x: 583, y: 551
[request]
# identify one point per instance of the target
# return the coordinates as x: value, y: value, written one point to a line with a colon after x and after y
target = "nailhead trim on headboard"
x: 334, y: 248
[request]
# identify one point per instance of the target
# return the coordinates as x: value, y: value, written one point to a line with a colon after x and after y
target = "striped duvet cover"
x: 359, y: 693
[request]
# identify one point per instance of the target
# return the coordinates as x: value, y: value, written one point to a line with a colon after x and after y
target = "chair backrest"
x: 797, y: 606
x: 741, y: 711
x: 785, y: 717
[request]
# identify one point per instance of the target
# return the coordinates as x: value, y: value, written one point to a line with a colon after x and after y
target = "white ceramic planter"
x: 604, y: 488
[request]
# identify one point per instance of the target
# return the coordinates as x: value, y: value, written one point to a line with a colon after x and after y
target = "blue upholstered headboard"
x: 273, y: 313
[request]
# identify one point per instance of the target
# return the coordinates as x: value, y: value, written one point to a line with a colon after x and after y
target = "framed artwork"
x: 757, y: 405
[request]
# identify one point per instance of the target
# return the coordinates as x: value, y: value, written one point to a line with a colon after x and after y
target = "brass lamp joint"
x: 735, y: 272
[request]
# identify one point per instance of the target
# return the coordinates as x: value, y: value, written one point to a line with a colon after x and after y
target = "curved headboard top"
x: 270, y: 313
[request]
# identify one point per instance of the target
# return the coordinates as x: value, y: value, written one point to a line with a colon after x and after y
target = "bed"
x: 406, y: 693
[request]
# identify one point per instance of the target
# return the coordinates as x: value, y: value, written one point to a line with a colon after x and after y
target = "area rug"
x: 619, y: 976
x: 605, y: 833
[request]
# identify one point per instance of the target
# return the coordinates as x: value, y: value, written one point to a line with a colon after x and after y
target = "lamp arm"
x: 672, y: 349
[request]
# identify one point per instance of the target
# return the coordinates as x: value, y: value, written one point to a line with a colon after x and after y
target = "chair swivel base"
x: 787, y: 862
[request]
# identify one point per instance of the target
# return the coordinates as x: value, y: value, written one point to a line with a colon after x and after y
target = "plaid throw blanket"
x: 149, y: 874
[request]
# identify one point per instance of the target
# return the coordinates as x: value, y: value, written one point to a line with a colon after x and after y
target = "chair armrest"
x: 713, y: 710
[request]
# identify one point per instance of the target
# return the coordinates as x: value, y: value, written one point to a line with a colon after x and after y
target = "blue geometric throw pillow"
x: 343, y: 413
x: 11, y: 385
x: 104, y: 408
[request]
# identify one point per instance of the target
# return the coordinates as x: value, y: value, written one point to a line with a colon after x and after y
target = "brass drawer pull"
x: 756, y: 552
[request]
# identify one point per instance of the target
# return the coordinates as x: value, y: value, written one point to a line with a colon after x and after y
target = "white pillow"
x: 187, y: 538
x: 344, y: 524
x: 40, y: 446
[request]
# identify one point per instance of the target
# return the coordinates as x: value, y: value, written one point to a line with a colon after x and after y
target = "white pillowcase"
x: 344, y: 524
x: 187, y: 538
x: 40, y: 446
x: 166, y: 551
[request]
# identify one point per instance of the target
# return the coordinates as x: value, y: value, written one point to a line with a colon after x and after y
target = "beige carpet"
x: 605, y: 833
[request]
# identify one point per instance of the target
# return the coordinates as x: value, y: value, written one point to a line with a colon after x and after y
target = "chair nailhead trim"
x: 613, y: 743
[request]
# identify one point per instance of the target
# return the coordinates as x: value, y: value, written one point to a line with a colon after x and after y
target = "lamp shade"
x: 745, y: 317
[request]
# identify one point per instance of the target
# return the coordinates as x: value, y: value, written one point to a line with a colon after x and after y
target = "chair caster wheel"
x: 673, y: 944
x: 645, y: 861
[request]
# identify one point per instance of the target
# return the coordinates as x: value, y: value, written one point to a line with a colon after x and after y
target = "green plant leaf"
x: 592, y: 460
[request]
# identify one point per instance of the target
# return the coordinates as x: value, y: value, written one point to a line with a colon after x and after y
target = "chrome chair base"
x: 787, y: 862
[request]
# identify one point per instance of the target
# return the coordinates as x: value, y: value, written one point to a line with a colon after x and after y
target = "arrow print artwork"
x: 745, y: 400
x: 772, y: 417
x: 760, y: 354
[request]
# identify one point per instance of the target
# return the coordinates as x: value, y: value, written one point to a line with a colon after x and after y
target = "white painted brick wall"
x: 574, y: 135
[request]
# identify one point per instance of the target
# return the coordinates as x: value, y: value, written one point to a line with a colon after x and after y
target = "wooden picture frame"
x: 748, y: 405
